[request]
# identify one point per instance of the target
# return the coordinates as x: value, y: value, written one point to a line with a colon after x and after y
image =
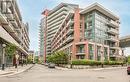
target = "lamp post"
x: 71, y: 60
x: 3, y: 56
x: 16, y: 56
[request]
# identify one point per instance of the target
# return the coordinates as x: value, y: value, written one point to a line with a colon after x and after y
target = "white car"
x: 51, y: 65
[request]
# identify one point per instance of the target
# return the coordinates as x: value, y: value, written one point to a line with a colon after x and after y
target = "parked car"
x: 51, y: 65
x: 42, y: 63
x: 46, y: 64
x: 128, y: 70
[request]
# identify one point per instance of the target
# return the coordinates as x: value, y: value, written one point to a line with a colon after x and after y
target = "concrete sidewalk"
x: 12, y: 70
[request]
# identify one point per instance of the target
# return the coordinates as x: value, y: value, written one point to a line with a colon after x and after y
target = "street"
x: 40, y: 73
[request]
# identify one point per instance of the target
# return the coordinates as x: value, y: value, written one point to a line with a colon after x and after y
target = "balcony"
x: 57, y: 12
x: 112, y: 31
x: 70, y: 22
x: 89, y: 19
x: 81, y: 52
x: 70, y: 38
x: 57, y: 16
x: 14, y: 23
x: 9, y: 16
x: 114, y: 47
x: 113, y: 39
x: 89, y: 28
x: 55, y: 21
x: 3, y: 19
x: 113, y: 24
x: 16, y: 36
x: 70, y: 31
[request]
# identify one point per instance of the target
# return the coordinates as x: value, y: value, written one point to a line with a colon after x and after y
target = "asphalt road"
x: 40, y: 73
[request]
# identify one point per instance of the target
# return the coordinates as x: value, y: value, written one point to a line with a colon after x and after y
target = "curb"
x: 13, y: 73
x: 28, y: 68
x: 60, y: 68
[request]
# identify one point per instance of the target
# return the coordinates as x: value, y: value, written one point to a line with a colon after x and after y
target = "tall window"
x: 91, y: 52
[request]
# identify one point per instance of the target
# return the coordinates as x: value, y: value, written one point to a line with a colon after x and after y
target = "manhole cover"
x: 101, y: 77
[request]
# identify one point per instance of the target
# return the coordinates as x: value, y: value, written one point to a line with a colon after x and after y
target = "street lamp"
x: 17, y: 57
x: 70, y: 59
x: 102, y: 58
x: 3, y: 56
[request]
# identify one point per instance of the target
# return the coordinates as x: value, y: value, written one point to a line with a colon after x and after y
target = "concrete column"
x: 76, y: 25
x: 95, y: 50
x: 76, y: 31
x: 86, y: 50
x: 73, y: 51
x: 108, y: 53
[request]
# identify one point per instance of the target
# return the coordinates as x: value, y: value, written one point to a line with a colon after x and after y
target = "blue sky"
x: 31, y: 12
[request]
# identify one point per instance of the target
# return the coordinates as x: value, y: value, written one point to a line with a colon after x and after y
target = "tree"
x: 128, y: 59
x: 10, y: 51
x: 59, y: 57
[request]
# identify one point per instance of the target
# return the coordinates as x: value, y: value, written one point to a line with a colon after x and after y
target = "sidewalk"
x: 12, y: 70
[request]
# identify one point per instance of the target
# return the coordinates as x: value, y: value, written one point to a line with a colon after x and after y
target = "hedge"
x: 93, y: 62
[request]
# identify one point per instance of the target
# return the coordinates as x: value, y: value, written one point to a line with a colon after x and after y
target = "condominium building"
x: 12, y: 28
x: 31, y: 56
x: 41, y: 36
x: 89, y: 33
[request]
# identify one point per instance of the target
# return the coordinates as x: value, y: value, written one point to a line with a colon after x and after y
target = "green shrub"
x: 128, y: 59
x: 93, y: 62
x: 58, y: 58
x: 86, y: 62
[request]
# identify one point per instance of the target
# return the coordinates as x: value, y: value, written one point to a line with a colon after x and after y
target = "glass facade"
x: 96, y: 30
x: 100, y: 28
x: 98, y: 53
x: 89, y: 26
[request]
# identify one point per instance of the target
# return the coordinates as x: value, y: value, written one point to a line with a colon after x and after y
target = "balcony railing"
x: 70, y: 38
x: 114, y: 39
x: 80, y: 52
x: 112, y: 31
x: 113, y: 23
x: 89, y: 28
x: 70, y: 31
x: 70, y: 22
x: 114, y: 47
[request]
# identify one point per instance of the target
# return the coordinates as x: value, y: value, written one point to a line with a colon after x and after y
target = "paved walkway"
x: 12, y: 70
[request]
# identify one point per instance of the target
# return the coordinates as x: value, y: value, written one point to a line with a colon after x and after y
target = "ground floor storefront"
x: 11, y: 60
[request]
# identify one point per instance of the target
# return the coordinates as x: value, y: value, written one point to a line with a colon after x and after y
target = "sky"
x: 31, y: 12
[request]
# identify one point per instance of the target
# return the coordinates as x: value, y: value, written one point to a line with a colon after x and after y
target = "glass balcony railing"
x: 110, y: 38
x: 112, y: 31
x: 70, y: 38
x: 113, y: 23
x: 70, y: 31
x: 82, y: 52
x: 71, y: 21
